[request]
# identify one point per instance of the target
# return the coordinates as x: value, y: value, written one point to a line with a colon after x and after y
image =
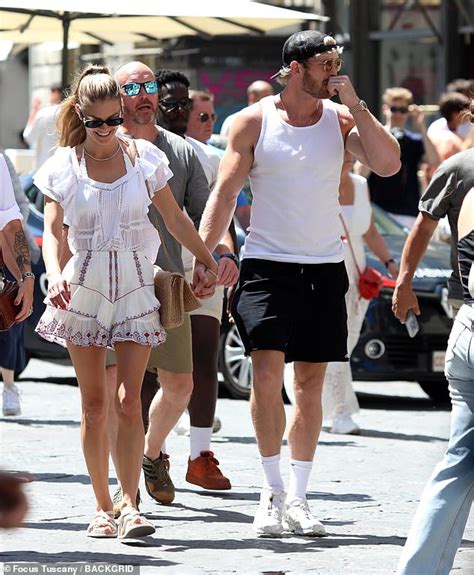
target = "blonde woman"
x: 104, y: 297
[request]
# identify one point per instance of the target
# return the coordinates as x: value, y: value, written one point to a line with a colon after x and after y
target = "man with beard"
x: 289, y: 304
x: 173, y: 360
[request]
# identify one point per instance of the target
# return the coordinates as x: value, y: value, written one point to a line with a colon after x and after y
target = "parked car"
x: 384, y: 351
x: 36, y: 346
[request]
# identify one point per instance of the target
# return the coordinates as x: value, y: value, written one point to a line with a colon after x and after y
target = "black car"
x: 36, y: 346
x: 384, y: 351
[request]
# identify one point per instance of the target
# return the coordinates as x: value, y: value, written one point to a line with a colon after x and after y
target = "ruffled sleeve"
x: 153, y: 164
x: 57, y: 178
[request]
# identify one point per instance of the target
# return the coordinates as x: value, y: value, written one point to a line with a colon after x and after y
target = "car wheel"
x: 437, y: 390
x: 234, y: 365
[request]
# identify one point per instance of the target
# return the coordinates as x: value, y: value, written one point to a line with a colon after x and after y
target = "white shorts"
x: 211, y: 306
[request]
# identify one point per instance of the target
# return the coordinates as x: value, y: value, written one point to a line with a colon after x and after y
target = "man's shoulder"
x: 462, y: 162
x: 167, y: 138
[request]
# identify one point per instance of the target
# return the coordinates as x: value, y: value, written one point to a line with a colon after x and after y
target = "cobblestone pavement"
x: 364, y: 488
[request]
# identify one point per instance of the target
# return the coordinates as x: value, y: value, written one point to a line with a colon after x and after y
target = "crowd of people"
x: 131, y: 180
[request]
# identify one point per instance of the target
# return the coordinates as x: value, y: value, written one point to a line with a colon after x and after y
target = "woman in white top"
x: 339, y: 399
x: 104, y: 297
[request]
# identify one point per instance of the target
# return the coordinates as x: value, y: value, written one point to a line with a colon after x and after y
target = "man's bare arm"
x: 15, y: 238
x: 233, y: 171
x: 367, y: 139
x: 404, y: 297
x: 18, y: 244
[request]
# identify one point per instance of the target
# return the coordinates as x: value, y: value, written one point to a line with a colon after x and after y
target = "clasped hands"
x: 205, y: 280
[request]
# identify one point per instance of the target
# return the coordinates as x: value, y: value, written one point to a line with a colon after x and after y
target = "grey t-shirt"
x: 444, y: 196
x: 190, y: 189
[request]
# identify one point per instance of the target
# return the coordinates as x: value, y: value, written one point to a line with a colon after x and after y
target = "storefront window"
x: 408, y: 15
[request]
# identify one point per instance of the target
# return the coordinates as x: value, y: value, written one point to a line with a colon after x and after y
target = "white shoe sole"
x: 298, y: 530
x: 268, y: 532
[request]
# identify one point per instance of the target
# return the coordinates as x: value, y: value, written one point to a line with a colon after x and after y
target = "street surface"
x: 364, y: 488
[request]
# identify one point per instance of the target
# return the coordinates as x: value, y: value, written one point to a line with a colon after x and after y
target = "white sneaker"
x: 300, y: 521
x: 11, y: 400
x: 269, y: 517
x: 344, y: 424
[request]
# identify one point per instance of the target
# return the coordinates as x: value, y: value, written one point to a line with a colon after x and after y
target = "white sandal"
x: 102, y: 525
x: 132, y: 524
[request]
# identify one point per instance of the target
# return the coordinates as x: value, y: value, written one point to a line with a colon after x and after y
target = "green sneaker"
x: 117, y: 501
x: 157, y: 479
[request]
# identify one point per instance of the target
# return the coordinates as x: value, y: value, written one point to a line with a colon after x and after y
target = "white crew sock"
x: 271, y: 471
x: 163, y: 447
x: 200, y: 440
x: 299, y: 478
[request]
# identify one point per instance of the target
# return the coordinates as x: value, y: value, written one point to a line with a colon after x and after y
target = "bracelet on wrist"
x: 26, y: 275
x: 388, y: 262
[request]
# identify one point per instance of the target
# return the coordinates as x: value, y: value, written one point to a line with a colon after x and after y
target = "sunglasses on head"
x: 204, y: 117
x: 133, y: 88
x: 399, y: 109
x: 98, y: 123
x: 175, y: 105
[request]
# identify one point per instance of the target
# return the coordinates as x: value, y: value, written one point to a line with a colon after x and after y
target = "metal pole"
x: 65, y: 59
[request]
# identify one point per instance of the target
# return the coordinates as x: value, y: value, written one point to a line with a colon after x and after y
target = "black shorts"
x: 294, y: 308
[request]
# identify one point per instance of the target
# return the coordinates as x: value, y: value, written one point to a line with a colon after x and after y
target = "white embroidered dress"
x: 114, y: 246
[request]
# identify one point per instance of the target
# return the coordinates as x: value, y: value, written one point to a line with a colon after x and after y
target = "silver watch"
x: 361, y: 106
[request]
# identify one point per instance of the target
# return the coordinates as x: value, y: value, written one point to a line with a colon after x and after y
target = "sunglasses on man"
x: 328, y: 65
x: 92, y: 124
x: 133, y: 88
x: 204, y: 117
x: 399, y: 109
x: 174, y: 105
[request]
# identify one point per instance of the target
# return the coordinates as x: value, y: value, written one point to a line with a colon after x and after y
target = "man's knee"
x: 177, y: 386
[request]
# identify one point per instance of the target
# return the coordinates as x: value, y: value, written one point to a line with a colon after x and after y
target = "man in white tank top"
x: 289, y: 305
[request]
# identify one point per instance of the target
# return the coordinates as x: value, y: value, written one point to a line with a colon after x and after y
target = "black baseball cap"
x: 305, y: 44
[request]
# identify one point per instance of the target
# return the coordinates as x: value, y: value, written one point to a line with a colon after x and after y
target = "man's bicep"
x: 354, y: 146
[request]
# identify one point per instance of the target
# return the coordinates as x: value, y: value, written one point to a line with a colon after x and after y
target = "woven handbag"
x: 172, y: 289
x: 175, y: 295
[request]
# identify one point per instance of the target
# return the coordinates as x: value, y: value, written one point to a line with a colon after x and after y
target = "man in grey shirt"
x: 443, y: 197
x: 172, y: 360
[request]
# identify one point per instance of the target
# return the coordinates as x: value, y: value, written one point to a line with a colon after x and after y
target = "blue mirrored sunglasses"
x: 133, y: 88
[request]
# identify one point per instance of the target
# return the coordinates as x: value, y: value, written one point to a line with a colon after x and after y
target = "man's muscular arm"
x: 365, y: 136
x: 233, y: 171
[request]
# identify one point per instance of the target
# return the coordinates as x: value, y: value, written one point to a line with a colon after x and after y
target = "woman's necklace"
x: 312, y: 117
x: 102, y: 159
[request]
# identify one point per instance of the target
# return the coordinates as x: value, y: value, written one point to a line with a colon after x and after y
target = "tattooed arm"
x: 15, y: 238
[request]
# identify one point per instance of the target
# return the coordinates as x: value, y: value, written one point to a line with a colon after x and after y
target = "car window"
x: 386, y: 225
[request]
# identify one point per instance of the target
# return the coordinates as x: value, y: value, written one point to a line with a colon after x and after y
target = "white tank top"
x: 295, y: 186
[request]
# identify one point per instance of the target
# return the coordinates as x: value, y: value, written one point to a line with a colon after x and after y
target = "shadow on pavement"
x: 85, y: 557
x: 396, y: 402
x: 402, y: 436
x: 61, y: 380
x: 40, y: 422
x: 61, y: 478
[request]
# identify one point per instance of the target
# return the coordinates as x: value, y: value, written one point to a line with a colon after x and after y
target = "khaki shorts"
x: 174, y: 355
x: 210, y: 306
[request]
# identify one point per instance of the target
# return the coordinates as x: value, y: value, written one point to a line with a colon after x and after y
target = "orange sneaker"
x: 204, y: 471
